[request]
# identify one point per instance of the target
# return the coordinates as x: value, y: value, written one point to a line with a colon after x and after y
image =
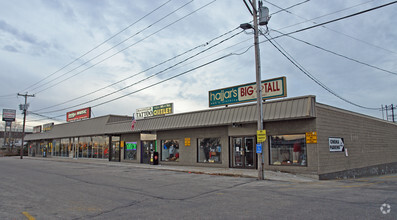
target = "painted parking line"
x: 362, y: 185
x: 387, y: 177
x: 28, y: 216
x: 339, y: 184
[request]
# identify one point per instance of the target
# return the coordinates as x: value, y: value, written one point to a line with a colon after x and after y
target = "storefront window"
x: 56, y: 147
x: 130, y: 150
x: 83, y: 145
x: 41, y: 148
x: 65, y: 147
x: 100, y: 146
x: 170, y: 150
x: 34, y: 148
x: 288, y: 150
x: 209, y: 150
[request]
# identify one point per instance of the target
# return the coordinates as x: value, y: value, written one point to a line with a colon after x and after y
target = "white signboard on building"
x: 157, y: 110
x: 336, y: 144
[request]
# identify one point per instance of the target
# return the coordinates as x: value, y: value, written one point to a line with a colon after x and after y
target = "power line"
x: 153, y: 75
x: 118, y: 45
x: 307, y: 20
x: 331, y: 21
x: 162, y: 81
x: 285, y: 9
x: 43, y: 116
x: 340, y: 55
x: 141, y: 72
x: 303, y: 70
x: 165, y: 80
x: 330, y: 29
x: 322, y: 24
x: 94, y: 48
x: 344, y: 17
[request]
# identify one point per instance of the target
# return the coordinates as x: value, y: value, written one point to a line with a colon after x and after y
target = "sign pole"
x: 5, y: 132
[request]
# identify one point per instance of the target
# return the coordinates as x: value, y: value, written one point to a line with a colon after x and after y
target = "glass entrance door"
x: 147, y: 147
x: 243, y: 154
x: 115, y: 149
x: 238, y: 153
x: 249, y: 154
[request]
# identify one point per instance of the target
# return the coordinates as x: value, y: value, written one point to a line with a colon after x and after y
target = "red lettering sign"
x: 247, y: 91
x: 78, y: 114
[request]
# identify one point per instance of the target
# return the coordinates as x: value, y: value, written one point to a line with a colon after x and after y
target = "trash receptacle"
x: 154, y: 158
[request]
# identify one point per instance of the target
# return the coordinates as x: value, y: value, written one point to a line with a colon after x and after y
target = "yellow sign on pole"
x: 311, y: 137
x: 187, y: 142
x: 260, y: 136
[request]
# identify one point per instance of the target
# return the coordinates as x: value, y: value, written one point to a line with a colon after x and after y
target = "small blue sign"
x: 258, y: 148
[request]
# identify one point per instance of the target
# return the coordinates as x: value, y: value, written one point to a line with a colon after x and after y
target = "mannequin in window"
x: 171, y: 151
x: 297, y: 149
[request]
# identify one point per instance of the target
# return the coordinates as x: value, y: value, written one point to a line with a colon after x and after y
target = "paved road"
x: 47, y: 189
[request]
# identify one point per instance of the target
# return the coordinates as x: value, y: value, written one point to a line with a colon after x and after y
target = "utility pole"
x: 24, y: 108
x: 259, y: 104
x: 264, y: 18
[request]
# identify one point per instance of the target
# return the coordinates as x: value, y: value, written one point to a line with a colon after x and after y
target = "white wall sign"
x: 157, y: 110
x: 336, y: 144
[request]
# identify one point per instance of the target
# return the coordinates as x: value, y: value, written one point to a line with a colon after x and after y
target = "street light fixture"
x: 263, y: 19
x: 246, y: 26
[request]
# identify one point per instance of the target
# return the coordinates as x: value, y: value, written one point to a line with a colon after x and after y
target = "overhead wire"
x: 141, y: 72
x: 313, y: 78
x: 149, y: 77
x: 303, y: 29
x: 165, y: 80
x: 99, y: 45
x: 122, y: 49
x: 289, y: 7
x: 344, y: 17
x: 307, y: 20
x: 333, y: 20
x: 330, y: 29
x: 162, y: 81
x: 43, y: 116
x: 338, y: 54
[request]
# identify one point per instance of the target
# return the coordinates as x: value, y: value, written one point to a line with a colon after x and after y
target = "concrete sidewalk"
x: 249, y: 173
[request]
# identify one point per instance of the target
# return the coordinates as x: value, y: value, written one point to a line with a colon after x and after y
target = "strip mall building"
x: 303, y: 137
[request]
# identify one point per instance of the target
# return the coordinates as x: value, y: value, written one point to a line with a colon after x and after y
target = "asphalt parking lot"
x: 50, y: 189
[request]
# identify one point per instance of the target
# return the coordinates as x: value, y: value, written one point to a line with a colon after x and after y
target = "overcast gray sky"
x: 79, y: 53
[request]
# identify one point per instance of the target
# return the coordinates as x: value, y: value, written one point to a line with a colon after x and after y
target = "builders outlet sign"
x: 156, y: 110
x: 272, y: 88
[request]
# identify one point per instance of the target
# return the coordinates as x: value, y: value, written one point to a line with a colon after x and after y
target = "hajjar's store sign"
x: 157, y: 110
x: 78, y: 114
x: 271, y: 89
